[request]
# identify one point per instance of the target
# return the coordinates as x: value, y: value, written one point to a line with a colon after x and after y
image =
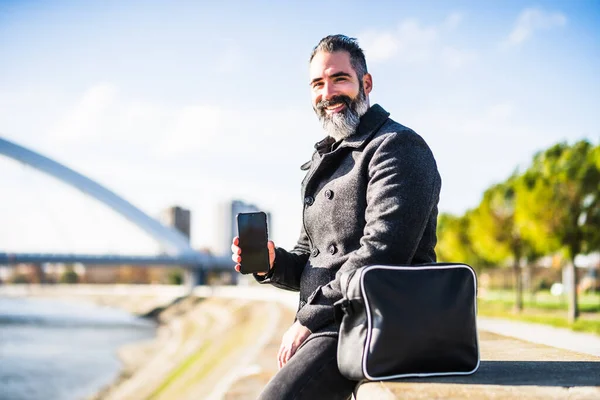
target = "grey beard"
x: 342, y: 125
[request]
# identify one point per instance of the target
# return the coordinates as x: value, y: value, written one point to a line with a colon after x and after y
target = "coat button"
x: 314, y: 252
x: 332, y: 249
x: 329, y: 194
x: 309, y: 200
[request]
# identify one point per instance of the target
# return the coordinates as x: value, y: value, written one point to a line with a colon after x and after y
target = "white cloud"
x: 192, y: 129
x: 230, y: 59
x: 85, y: 120
x: 103, y: 115
x: 410, y: 41
x: 379, y: 46
x: 487, y: 124
x: 453, y: 20
x: 531, y: 20
x: 456, y: 58
x: 415, y: 43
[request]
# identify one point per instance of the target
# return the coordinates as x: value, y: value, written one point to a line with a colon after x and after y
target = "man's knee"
x: 312, y: 373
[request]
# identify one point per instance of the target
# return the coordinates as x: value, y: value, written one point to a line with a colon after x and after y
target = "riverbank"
x: 206, y: 348
x: 140, y: 300
x: 216, y: 343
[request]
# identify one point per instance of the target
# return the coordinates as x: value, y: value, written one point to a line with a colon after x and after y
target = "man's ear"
x: 367, y: 83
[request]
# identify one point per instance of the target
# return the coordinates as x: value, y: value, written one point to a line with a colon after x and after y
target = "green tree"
x: 453, y: 242
x: 496, y: 235
x: 175, y: 277
x: 19, y: 278
x: 69, y: 276
x: 591, y: 226
x: 557, y: 205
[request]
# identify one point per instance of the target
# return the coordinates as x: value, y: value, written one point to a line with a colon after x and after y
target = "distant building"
x: 178, y: 218
x: 56, y: 272
x: 5, y: 273
x: 175, y: 217
x: 227, y: 221
x: 27, y: 273
x: 129, y: 274
x: 104, y: 274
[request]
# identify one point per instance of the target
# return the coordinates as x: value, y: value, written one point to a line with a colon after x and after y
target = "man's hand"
x: 292, y: 339
x: 237, y: 258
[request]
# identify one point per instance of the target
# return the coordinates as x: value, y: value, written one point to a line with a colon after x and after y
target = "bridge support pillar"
x: 194, y: 276
x: 40, y: 275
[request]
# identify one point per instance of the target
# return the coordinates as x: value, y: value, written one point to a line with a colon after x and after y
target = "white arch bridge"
x: 176, y: 245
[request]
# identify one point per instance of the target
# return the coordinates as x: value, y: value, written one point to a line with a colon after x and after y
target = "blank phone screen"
x: 252, y: 231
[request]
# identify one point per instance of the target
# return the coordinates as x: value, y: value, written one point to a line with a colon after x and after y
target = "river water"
x: 62, y: 351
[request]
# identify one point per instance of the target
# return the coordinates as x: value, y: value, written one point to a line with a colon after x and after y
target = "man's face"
x: 339, y: 98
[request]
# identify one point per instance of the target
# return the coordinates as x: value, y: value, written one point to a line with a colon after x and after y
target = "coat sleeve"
x: 403, y: 188
x: 288, y: 266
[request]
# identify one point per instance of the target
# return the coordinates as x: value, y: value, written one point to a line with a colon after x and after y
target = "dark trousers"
x: 312, y: 374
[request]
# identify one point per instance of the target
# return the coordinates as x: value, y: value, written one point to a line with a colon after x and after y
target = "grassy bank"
x: 542, y: 308
x: 217, y: 352
x: 197, y: 351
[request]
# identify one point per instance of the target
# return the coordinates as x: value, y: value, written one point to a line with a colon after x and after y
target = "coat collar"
x: 369, y: 124
x: 373, y: 119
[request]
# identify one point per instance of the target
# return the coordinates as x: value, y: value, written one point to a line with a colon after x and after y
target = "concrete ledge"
x: 510, y: 368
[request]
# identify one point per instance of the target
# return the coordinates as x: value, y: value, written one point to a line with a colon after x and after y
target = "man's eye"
x: 317, y: 85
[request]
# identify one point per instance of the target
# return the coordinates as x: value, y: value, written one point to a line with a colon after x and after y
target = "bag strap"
x: 345, y: 281
x: 345, y: 307
x: 338, y: 312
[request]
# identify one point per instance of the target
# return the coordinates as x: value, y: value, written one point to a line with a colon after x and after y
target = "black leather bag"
x: 408, y: 321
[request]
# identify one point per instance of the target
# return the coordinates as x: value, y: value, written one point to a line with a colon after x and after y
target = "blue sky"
x: 197, y: 103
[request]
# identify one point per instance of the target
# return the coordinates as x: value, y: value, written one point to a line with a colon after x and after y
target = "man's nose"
x: 328, y: 91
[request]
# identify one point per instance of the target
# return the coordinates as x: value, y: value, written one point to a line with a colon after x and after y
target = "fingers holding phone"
x: 271, y: 248
x: 237, y: 251
x: 253, y: 242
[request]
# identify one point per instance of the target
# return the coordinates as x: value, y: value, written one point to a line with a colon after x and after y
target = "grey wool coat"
x: 370, y: 199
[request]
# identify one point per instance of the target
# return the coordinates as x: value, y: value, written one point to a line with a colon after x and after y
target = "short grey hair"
x: 333, y: 43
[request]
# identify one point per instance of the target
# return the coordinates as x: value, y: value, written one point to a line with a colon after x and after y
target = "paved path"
x: 567, y: 339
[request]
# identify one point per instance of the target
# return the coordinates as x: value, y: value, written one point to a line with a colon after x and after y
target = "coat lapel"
x: 370, y: 123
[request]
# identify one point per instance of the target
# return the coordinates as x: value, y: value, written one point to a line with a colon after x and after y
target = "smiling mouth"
x: 335, y: 108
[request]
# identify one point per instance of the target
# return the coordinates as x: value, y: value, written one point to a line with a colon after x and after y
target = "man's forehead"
x: 326, y: 64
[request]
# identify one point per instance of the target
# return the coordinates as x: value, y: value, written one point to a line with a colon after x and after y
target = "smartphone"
x: 252, y: 231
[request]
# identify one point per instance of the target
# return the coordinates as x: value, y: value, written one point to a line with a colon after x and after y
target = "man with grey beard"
x: 369, y: 197
x: 342, y: 124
